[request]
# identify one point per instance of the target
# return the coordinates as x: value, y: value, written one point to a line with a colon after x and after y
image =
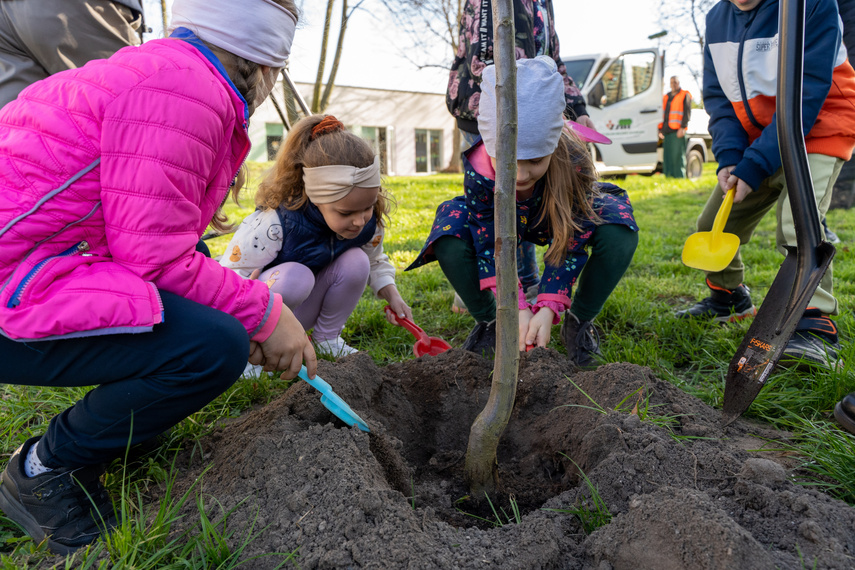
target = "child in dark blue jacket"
x: 740, y: 84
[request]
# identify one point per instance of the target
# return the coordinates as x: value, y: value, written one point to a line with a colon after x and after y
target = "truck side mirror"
x: 597, y: 95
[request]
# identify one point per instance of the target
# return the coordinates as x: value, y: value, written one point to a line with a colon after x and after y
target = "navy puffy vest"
x: 308, y: 240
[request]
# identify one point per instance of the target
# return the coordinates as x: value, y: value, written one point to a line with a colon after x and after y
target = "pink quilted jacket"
x: 108, y: 176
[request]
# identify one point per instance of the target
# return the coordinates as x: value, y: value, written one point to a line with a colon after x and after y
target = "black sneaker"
x: 723, y: 305
x: 482, y: 339
x: 844, y: 412
x: 814, y: 343
x: 68, y: 507
x: 581, y: 340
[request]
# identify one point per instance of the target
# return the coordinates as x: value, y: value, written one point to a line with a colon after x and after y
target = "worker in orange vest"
x: 677, y: 108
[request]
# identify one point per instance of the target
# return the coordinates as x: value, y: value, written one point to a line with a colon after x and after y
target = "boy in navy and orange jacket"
x: 740, y: 83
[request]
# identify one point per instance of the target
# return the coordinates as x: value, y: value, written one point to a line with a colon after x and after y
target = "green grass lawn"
x: 638, y: 324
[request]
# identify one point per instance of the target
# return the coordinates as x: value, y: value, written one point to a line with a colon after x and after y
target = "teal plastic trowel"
x: 333, y: 401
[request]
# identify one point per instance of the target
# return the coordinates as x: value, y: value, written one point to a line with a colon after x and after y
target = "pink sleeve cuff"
x: 272, y: 319
x: 488, y: 283
x: 556, y: 308
x: 523, y: 302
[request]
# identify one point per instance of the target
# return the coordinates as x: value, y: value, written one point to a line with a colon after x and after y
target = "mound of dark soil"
x: 683, y: 492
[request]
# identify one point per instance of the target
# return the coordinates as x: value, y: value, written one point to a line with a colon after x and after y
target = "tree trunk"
x: 319, y: 79
x: 164, y: 14
x: 325, y: 98
x: 454, y: 161
x: 481, y: 469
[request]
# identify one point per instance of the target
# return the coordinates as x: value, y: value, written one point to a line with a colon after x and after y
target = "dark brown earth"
x: 692, y: 495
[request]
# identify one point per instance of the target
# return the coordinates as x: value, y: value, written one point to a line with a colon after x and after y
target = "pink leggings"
x: 324, y: 302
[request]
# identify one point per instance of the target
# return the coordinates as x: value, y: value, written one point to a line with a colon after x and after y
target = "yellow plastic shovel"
x: 713, y: 250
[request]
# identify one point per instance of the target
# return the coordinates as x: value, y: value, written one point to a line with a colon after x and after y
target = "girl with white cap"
x: 559, y: 204
x: 109, y: 174
x: 317, y: 236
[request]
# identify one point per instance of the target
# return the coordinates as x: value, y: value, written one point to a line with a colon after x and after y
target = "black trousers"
x: 144, y: 383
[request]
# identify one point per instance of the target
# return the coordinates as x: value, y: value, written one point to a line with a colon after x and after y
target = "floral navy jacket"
x: 535, y: 35
x: 470, y: 218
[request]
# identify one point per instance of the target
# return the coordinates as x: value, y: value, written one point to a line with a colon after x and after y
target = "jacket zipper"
x: 19, y: 290
x: 245, y: 155
x: 159, y: 302
x: 332, y: 248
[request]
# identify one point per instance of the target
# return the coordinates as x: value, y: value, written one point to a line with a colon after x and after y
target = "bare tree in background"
x: 165, y: 15
x: 428, y: 24
x: 321, y: 100
x: 685, y: 21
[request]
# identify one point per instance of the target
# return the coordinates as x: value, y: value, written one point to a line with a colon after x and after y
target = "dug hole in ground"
x: 695, y: 495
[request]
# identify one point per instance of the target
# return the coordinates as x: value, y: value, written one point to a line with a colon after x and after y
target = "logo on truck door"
x: 622, y: 124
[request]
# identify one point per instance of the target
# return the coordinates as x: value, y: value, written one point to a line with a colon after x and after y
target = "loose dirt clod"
x: 682, y: 491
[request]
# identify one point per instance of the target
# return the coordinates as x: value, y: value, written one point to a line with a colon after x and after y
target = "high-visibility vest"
x: 675, y: 113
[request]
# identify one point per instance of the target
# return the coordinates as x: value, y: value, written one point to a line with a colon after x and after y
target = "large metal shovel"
x: 806, y: 263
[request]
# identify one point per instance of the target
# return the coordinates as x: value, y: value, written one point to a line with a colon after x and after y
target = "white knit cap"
x: 260, y: 31
x: 540, y: 108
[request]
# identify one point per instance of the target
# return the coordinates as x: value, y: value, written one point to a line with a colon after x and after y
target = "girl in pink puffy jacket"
x: 109, y: 174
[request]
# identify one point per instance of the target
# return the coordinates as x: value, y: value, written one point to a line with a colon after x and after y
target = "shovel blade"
x: 710, y: 252
x: 432, y: 347
x: 766, y: 339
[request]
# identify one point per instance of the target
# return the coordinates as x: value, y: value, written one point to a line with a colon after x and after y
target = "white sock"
x: 33, y: 465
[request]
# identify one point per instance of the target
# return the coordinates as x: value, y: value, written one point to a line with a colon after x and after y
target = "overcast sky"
x: 373, y: 57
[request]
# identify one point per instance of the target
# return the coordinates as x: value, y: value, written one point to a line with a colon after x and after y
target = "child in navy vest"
x: 317, y: 235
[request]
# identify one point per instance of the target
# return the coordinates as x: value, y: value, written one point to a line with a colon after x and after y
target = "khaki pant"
x: 745, y: 216
x: 41, y: 37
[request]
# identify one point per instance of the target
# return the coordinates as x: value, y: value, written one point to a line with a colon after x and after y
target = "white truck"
x: 624, y: 99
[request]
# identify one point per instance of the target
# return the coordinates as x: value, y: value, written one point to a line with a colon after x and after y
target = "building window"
x: 428, y: 150
x: 275, y: 132
x: 376, y: 137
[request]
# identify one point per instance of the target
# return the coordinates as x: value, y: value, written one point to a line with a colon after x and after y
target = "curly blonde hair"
x: 309, y: 145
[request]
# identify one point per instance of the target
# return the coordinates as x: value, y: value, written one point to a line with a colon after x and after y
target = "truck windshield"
x: 579, y: 69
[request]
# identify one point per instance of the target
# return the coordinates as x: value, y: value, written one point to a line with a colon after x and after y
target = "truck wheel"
x: 694, y: 163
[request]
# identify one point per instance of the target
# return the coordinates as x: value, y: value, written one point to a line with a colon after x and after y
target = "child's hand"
x: 724, y: 178
x: 742, y: 189
x: 525, y: 318
x: 285, y: 349
x: 586, y: 121
x: 537, y: 328
x: 400, y: 308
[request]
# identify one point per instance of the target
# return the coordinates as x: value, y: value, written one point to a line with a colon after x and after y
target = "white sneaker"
x: 252, y: 370
x: 335, y: 347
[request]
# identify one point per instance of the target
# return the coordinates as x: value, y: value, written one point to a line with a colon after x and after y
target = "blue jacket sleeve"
x: 729, y: 137
x: 822, y: 41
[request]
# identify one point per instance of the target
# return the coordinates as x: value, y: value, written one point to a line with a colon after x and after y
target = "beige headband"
x: 327, y: 184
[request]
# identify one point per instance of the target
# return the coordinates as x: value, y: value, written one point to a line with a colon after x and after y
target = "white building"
x: 411, y: 132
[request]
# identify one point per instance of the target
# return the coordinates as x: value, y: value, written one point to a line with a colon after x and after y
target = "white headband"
x: 260, y: 31
x: 327, y: 184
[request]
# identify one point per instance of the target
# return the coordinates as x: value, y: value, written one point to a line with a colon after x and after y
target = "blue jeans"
x: 144, y: 383
x: 527, y: 270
